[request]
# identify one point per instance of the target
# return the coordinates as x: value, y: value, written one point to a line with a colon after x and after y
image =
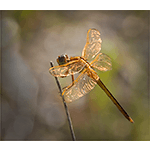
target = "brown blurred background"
x: 32, y: 108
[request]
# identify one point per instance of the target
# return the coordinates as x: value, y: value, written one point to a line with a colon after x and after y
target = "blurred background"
x: 32, y: 108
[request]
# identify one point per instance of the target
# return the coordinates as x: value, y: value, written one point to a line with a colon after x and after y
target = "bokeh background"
x: 31, y: 106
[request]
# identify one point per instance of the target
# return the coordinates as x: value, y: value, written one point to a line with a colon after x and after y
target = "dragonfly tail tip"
x: 131, y: 120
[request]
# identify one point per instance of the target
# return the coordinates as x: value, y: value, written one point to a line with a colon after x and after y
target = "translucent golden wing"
x: 93, y: 45
x: 67, y: 69
x: 102, y: 62
x: 82, y: 85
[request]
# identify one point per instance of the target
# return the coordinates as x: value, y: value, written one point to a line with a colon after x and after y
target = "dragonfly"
x: 85, y: 65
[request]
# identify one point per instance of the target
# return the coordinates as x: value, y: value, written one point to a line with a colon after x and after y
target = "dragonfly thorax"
x: 63, y: 59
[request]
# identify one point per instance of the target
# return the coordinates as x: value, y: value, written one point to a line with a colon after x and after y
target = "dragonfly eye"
x: 62, y: 60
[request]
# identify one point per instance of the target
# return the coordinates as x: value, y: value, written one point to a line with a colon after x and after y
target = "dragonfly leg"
x: 68, y: 87
x: 72, y: 76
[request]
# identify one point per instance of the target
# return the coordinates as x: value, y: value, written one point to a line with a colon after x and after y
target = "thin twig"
x: 66, y: 108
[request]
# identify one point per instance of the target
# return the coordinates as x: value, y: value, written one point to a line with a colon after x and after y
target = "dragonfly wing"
x: 93, y: 45
x: 102, y: 62
x: 82, y: 85
x: 67, y: 69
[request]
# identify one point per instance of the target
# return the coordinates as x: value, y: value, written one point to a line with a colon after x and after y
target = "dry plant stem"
x: 66, y: 108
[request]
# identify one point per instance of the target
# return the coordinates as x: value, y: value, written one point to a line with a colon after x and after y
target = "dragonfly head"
x: 63, y: 59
